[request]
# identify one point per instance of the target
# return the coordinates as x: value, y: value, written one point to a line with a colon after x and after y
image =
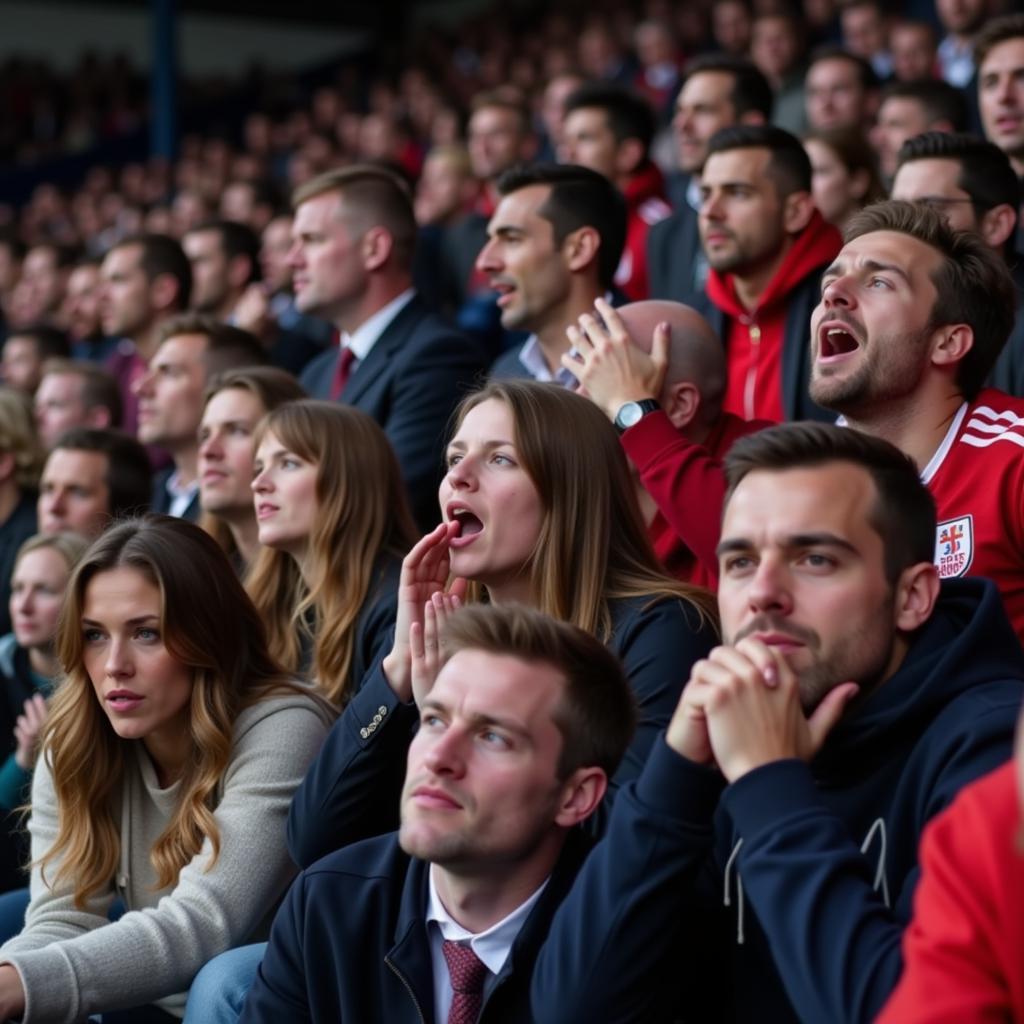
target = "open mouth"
x: 469, y: 524
x: 504, y: 290
x: 836, y: 341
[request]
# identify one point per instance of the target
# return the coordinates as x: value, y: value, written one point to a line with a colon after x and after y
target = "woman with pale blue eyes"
x: 168, y: 759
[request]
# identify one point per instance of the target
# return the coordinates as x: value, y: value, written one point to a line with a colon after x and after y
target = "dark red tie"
x: 341, y: 371
x: 468, y: 974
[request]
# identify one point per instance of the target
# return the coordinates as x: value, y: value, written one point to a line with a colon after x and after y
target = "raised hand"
x: 424, y: 573
x: 611, y: 368
x: 27, y: 729
x: 426, y: 642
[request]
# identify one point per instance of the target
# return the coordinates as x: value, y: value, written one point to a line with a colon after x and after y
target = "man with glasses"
x: 973, y: 185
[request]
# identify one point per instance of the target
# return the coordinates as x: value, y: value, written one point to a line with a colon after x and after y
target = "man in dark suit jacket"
x: 445, y: 919
x: 192, y: 349
x: 718, y: 90
x: 554, y: 242
x: 354, y: 235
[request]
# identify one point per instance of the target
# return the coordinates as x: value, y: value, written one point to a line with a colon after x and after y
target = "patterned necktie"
x: 341, y: 372
x: 468, y: 974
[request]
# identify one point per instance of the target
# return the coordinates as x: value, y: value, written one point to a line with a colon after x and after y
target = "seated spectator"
x: 853, y: 699
x: 80, y: 312
x: 194, y: 739
x: 25, y: 352
x: 767, y: 246
x: 28, y: 671
x: 972, y: 184
x: 911, y: 108
x: 234, y: 404
x: 961, y: 20
x: 841, y: 90
x: 553, y: 245
x: 844, y: 174
x: 525, y: 459
x: 488, y: 845
x: 609, y: 129
x: 962, y: 952
x: 224, y: 257
x: 777, y: 49
x: 863, y: 24
x: 334, y: 525
x: 73, y: 393
x: 21, y: 460
x: 657, y: 371
x: 354, y: 234
x: 914, y: 47
x: 92, y: 477
x: 999, y: 56
x: 44, y: 275
x: 193, y: 348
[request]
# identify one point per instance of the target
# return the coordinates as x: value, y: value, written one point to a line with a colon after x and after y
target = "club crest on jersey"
x: 954, y: 546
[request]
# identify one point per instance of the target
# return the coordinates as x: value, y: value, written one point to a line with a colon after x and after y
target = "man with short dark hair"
x: 91, y: 478
x: 763, y: 866
x: 841, y: 90
x: 554, y: 242
x: 609, y: 129
x: 961, y: 20
x: 445, y: 919
x: 353, y: 239
x: 80, y: 312
x: 170, y: 393
x: 44, y: 274
x: 75, y: 394
x: 25, y: 352
x: 863, y: 25
x: 913, y: 45
x: 718, y: 91
x: 972, y: 184
x: 146, y: 279
x: 910, y: 108
x: 224, y: 257
x: 767, y: 246
x: 912, y: 317
x: 999, y: 56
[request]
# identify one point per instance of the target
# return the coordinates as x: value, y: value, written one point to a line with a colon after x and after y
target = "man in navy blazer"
x: 353, y: 239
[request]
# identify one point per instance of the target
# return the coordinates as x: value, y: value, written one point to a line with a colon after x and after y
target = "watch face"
x: 630, y: 413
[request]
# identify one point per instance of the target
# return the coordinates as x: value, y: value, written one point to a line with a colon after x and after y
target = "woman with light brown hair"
x: 538, y: 507
x: 334, y: 524
x: 168, y: 759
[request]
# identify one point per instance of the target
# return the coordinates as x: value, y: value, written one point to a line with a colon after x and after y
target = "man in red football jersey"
x: 912, y: 317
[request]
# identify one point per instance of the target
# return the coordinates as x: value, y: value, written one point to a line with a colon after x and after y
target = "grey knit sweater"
x: 76, y: 962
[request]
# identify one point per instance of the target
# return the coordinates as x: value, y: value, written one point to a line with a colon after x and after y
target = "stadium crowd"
x: 531, y: 533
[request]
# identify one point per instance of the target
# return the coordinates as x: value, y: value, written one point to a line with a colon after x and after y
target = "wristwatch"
x: 633, y: 412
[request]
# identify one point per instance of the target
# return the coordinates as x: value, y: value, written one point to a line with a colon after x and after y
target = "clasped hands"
x: 741, y: 710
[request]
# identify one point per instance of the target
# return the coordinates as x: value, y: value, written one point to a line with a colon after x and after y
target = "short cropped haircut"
x: 161, y: 254
x: 939, y: 100
x: 503, y: 100
x: 986, y: 173
x: 994, y: 32
x: 129, y: 471
x: 789, y: 166
x: 375, y: 197
x: 597, y: 713
x: 830, y: 51
x: 50, y: 342
x: 227, y: 347
x: 235, y: 240
x: 751, y: 91
x: 270, y: 384
x: 973, y: 283
x: 64, y: 256
x: 904, y: 512
x: 629, y: 115
x: 579, y: 198
x: 99, y: 388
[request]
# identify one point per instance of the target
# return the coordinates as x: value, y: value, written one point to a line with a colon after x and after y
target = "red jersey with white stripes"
x: 977, y: 479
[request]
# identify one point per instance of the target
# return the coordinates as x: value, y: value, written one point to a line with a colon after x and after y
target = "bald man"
x: 657, y: 369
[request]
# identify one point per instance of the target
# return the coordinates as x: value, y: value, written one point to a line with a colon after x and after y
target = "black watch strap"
x: 633, y: 412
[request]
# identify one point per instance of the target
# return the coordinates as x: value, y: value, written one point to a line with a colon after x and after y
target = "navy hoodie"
x: 755, y: 902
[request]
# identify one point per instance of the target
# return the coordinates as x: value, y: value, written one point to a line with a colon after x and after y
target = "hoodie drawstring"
x: 880, y: 880
x: 739, y: 891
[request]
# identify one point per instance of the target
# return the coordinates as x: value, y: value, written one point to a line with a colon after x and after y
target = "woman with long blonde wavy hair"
x: 538, y: 506
x: 334, y: 524
x: 171, y: 751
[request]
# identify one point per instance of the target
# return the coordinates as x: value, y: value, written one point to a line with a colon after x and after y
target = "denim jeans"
x: 219, y: 989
